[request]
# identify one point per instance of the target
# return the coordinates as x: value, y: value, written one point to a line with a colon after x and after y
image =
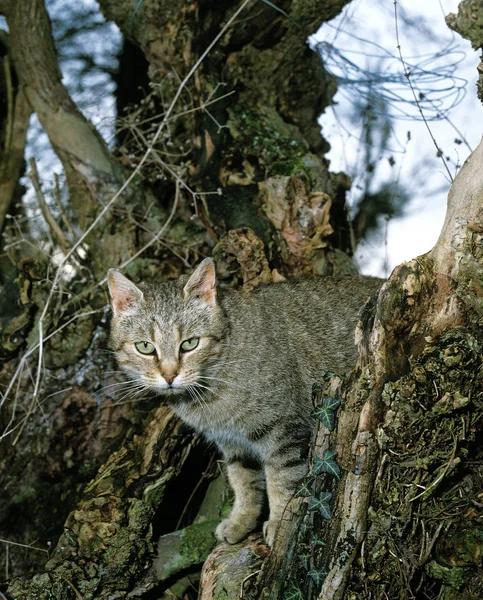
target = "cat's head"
x: 168, y: 336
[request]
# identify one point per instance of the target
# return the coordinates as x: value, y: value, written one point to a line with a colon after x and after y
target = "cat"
x: 239, y: 367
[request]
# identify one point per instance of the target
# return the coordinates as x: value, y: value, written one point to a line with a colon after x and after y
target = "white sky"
x: 416, y: 232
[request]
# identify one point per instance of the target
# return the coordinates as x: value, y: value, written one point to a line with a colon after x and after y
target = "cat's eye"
x: 189, y: 345
x: 145, y: 347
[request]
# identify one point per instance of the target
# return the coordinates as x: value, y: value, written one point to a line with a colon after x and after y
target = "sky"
x: 364, y: 36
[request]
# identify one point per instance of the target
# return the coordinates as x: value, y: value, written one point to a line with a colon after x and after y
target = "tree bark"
x: 107, y: 538
x: 255, y: 136
x: 15, y: 118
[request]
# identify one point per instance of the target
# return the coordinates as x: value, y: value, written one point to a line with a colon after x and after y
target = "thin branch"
x: 2, y: 541
x: 408, y: 77
x: 10, y: 102
x: 56, y: 231
x: 152, y: 240
x: 63, y: 216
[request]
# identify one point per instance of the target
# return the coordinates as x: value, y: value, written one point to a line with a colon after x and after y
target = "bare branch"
x: 56, y: 231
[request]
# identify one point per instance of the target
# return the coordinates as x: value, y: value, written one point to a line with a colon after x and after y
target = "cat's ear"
x: 125, y: 296
x: 202, y: 284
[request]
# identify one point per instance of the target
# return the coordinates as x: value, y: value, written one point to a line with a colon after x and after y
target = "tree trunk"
x: 15, y: 115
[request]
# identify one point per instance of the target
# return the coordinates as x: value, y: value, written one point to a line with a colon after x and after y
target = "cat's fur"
x: 247, y: 386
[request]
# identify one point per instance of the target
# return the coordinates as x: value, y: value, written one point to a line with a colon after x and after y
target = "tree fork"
x: 93, y: 174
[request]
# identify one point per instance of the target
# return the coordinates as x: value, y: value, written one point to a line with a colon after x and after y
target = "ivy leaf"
x: 317, y: 541
x: 322, y: 504
x: 326, y: 464
x: 305, y: 488
x: 305, y: 528
x: 293, y: 591
x: 326, y: 412
x: 305, y: 559
x: 318, y: 576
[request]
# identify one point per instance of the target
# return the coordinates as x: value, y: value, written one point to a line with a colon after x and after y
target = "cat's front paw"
x: 233, y: 530
x: 270, y: 530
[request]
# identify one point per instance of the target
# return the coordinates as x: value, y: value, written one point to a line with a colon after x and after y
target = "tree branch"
x: 18, y: 115
x: 93, y: 174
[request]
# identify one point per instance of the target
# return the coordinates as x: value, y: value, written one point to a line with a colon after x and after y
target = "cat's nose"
x: 170, y: 377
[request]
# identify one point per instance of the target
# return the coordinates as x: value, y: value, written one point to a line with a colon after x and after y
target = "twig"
x: 57, y: 232
x: 195, y: 489
x: 7, y: 560
x: 452, y: 461
x: 35, y: 347
x: 2, y: 541
x: 242, y: 585
x: 29, y: 412
x: 79, y: 596
x: 155, y: 238
x: 10, y: 102
x: 63, y: 216
x: 201, y: 107
x: 408, y: 77
x: 199, y: 213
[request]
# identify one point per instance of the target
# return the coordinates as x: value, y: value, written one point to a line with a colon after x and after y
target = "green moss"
x: 453, y: 577
x: 461, y: 545
x: 198, y: 541
x: 429, y: 432
x: 181, y: 550
x: 278, y: 146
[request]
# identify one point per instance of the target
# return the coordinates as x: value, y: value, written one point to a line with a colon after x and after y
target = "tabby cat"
x: 239, y: 367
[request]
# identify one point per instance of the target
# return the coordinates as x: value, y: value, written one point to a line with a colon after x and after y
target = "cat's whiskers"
x: 119, y: 384
x: 133, y: 393
x: 209, y: 389
x: 197, y: 397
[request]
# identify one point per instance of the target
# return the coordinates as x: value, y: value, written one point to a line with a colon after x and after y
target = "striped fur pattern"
x: 247, y: 384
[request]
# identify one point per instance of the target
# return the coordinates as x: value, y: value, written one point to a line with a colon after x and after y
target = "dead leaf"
x: 240, y: 249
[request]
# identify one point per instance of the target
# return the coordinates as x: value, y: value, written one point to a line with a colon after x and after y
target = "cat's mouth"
x: 171, y: 390
x: 177, y: 389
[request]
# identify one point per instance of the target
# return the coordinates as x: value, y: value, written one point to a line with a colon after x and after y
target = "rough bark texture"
x: 469, y: 23
x: 262, y: 139
x: 15, y: 115
x: 107, y: 538
x: 93, y: 174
